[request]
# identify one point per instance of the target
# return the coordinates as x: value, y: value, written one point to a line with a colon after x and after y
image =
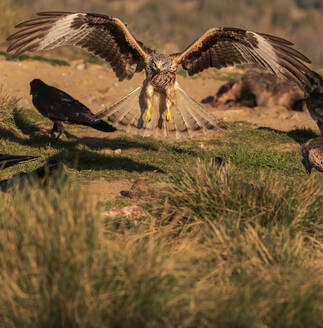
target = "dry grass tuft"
x: 206, y: 194
x: 218, y: 263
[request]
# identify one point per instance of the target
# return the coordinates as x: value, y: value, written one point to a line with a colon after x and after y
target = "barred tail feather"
x: 188, y: 117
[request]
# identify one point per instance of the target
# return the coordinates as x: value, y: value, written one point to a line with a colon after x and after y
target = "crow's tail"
x: 101, y: 126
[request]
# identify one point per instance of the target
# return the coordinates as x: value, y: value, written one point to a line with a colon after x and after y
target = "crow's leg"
x: 59, y: 128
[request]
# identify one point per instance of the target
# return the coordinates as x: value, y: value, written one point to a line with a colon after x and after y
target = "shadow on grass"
x: 79, y: 159
x: 299, y: 135
x: 125, y: 143
x: 302, y: 135
x: 87, y: 160
x: 117, y: 143
x: 24, y: 122
x: 33, y: 140
x: 53, y: 62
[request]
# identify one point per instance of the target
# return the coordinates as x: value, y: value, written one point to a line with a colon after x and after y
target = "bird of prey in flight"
x: 60, y: 107
x: 160, y: 106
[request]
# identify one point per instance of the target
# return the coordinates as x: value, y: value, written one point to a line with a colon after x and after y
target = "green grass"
x: 51, y: 61
x: 252, y: 150
x: 211, y: 252
x: 215, y: 74
x: 236, y: 246
x: 226, y: 76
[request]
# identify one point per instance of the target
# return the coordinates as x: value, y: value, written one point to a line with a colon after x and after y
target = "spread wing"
x: 221, y: 47
x: 107, y: 37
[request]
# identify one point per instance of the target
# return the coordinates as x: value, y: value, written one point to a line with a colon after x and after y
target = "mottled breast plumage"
x: 161, y: 80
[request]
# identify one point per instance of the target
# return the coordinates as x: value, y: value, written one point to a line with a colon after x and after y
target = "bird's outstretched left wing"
x: 221, y: 47
x: 105, y: 36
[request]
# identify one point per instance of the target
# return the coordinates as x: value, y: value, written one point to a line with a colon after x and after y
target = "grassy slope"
x: 259, y: 150
x: 213, y: 251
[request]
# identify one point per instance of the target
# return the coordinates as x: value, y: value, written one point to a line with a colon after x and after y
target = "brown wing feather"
x: 223, y: 47
x: 104, y: 36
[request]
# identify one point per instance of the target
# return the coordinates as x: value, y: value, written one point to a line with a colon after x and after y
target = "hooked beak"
x: 160, y: 68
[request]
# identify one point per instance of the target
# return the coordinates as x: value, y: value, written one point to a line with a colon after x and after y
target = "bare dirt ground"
x: 97, y: 87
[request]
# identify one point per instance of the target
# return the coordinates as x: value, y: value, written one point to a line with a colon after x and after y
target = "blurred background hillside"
x: 178, y: 22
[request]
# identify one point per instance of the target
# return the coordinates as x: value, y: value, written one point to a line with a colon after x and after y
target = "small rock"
x: 131, y: 212
x: 79, y: 65
x: 117, y: 151
x: 106, y: 151
x: 140, y: 189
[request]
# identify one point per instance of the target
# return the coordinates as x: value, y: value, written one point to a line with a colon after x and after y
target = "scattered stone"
x: 130, y: 212
x: 140, y: 189
x: 106, y: 151
x: 79, y: 65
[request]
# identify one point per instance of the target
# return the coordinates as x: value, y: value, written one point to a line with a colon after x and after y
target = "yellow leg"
x: 168, y: 115
x: 148, y: 115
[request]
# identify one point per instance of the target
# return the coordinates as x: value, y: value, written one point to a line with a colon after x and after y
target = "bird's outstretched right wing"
x: 226, y: 46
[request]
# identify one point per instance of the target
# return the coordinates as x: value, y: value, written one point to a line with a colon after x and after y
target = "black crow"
x: 314, y: 100
x: 40, y: 174
x: 60, y: 107
x: 10, y: 160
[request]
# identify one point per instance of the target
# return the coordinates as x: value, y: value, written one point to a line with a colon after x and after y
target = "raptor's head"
x: 35, y: 85
x: 162, y: 63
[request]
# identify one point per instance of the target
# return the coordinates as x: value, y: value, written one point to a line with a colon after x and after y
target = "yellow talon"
x: 148, y: 115
x: 168, y: 115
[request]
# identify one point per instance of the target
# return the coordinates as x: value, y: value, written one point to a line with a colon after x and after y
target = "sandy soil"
x: 97, y: 87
